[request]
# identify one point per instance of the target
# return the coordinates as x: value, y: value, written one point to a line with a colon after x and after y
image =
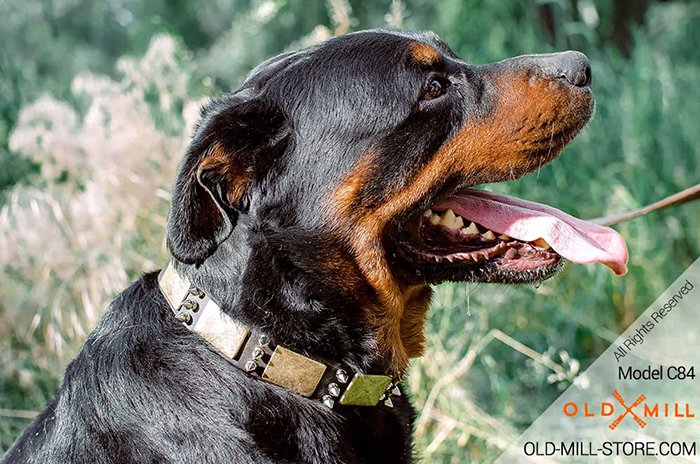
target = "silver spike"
x: 191, y: 305
x: 388, y: 403
x: 341, y: 375
x: 395, y: 391
x: 196, y: 292
x: 333, y: 389
x: 258, y: 353
x: 328, y: 401
x: 184, y: 317
x: 250, y: 366
x: 263, y: 340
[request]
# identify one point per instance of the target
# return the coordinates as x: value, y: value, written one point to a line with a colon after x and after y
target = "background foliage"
x: 98, y: 101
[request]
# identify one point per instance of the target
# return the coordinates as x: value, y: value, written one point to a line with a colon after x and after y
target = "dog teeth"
x: 448, y: 218
x: 451, y: 221
x: 471, y: 230
x: 541, y: 244
x: 454, y: 221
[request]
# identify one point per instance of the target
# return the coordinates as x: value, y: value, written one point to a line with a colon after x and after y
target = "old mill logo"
x: 638, y: 410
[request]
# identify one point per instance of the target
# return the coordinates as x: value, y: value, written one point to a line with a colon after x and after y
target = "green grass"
x: 496, y: 356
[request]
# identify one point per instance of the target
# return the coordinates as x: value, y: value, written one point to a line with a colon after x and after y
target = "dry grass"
x: 96, y: 220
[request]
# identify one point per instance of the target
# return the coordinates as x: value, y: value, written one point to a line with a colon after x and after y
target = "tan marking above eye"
x: 424, y: 54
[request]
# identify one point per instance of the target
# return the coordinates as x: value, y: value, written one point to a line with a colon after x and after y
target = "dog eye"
x: 434, y: 90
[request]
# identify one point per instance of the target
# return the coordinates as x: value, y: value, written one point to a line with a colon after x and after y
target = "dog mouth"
x: 475, y: 235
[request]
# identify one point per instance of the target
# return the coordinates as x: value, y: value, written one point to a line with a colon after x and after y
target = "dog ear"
x: 211, y: 189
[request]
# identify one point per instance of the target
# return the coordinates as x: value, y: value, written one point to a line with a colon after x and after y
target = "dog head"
x: 349, y: 160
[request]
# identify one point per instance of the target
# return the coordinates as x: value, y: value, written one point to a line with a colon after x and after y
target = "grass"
x: 496, y: 356
x: 497, y: 369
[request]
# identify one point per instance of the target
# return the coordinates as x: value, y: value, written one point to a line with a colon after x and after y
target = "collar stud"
x: 341, y: 375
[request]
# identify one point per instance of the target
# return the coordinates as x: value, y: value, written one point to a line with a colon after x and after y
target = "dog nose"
x: 572, y: 66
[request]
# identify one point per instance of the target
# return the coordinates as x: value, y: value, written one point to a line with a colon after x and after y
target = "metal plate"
x: 219, y: 329
x: 365, y: 390
x: 293, y: 371
x: 173, y: 285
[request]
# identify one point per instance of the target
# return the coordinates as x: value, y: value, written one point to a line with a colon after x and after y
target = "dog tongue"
x: 574, y: 239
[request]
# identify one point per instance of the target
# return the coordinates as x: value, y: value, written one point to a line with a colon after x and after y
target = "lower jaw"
x: 511, y: 262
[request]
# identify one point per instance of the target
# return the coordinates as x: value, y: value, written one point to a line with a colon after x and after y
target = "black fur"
x: 144, y: 389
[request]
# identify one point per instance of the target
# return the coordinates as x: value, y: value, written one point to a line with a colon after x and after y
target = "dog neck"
x: 298, y: 295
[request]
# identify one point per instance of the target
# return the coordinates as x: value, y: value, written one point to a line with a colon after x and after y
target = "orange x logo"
x: 639, y: 401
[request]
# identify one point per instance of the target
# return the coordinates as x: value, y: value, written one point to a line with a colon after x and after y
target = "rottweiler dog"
x: 312, y: 212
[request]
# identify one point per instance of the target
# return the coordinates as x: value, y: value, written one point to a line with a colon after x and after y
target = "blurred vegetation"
x: 90, y: 138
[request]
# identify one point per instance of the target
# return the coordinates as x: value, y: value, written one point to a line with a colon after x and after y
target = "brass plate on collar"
x: 219, y: 329
x: 293, y: 371
x: 173, y: 285
x: 365, y: 390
